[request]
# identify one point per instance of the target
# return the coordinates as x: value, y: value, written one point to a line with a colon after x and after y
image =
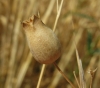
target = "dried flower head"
x: 43, y: 43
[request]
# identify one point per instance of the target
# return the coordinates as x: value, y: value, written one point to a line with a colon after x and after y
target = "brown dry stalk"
x: 63, y: 75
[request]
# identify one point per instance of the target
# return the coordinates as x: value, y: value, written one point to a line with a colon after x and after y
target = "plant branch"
x: 63, y: 75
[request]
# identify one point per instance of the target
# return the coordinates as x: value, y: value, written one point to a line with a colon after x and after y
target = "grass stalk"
x: 14, y: 48
x: 41, y: 75
x: 76, y: 79
x: 58, y: 14
x: 63, y: 75
x: 81, y: 72
x: 23, y: 70
x: 15, y: 58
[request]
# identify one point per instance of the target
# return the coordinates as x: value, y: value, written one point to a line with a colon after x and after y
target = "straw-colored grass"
x: 77, y: 25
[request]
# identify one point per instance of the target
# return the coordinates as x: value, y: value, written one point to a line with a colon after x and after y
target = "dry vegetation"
x: 79, y: 23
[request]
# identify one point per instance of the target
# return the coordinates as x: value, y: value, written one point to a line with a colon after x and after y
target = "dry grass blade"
x: 14, y: 47
x: 92, y: 72
x: 92, y: 64
x: 22, y: 71
x: 41, y: 75
x: 76, y: 79
x: 81, y: 73
x: 64, y: 75
x: 58, y: 14
x: 17, y: 65
x: 23, y: 68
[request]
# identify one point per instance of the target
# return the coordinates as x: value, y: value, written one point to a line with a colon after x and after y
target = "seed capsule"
x: 43, y: 43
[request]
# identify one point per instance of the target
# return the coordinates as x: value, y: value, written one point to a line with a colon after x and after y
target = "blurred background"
x: 79, y: 20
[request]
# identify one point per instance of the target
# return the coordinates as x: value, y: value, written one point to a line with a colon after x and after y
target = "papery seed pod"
x: 43, y: 43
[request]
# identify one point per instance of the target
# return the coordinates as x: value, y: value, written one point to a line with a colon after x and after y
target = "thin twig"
x: 76, y: 79
x: 63, y: 75
x: 41, y: 75
x: 58, y: 14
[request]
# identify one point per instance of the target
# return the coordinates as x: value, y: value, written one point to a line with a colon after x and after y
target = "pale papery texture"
x: 43, y: 43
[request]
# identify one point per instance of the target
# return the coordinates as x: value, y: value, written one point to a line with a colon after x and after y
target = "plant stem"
x: 76, y: 80
x: 40, y: 77
x: 58, y: 14
x: 63, y: 75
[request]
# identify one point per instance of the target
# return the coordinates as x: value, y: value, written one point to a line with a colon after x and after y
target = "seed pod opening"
x: 43, y: 43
